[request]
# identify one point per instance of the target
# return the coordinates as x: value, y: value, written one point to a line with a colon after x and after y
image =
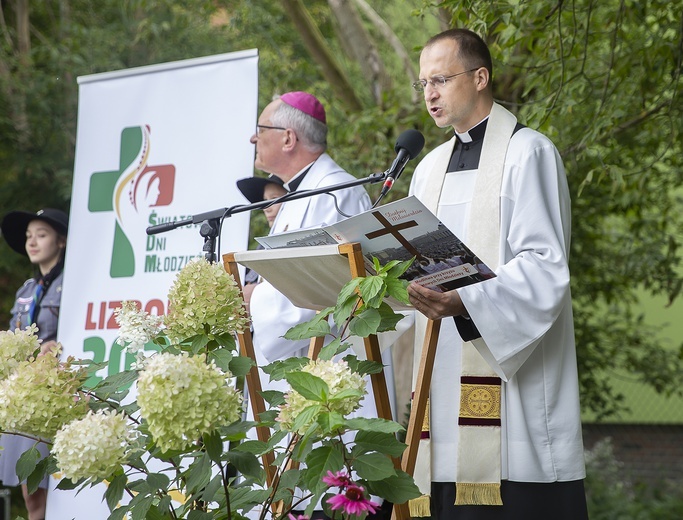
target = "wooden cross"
x: 389, y: 228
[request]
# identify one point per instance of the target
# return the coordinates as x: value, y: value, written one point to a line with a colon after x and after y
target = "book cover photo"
x: 399, y: 230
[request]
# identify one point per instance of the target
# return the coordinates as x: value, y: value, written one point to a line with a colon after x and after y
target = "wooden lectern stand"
x: 312, y: 277
x: 309, y: 291
x: 418, y: 408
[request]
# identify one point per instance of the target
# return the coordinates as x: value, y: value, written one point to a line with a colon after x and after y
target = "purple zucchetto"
x: 307, y: 103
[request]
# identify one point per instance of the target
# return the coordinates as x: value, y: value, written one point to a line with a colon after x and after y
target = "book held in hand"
x: 399, y: 230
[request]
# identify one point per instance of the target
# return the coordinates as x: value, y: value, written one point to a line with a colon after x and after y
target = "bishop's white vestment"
x: 272, y: 313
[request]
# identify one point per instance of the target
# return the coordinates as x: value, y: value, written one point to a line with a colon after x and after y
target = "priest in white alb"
x: 503, y: 439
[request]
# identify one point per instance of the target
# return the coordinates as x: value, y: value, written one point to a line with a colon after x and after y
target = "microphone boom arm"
x: 220, y: 213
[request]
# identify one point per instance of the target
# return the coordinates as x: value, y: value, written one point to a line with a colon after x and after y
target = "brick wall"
x: 649, y: 453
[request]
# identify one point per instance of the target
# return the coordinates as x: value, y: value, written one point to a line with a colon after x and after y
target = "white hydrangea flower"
x: 16, y: 346
x: 204, y: 299
x: 339, y: 377
x: 136, y: 327
x: 183, y: 397
x: 40, y: 396
x: 94, y: 446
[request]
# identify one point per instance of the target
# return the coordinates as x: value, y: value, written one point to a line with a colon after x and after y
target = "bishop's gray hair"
x: 311, y: 132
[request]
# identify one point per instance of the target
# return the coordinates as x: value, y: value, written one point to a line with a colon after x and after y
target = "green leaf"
x: 273, y: 397
x: 365, y: 323
x: 397, y: 489
x: 27, y: 462
x: 155, y: 513
x: 114, y: 383
x: 237, y: 430
x: 198, y: 343
x: 221, y: 357
x: 397, y: 289
x: 214, y: 445
x: 287, y: 486
x: 165, y: 505
x: 226, y: 340
x: 198, y: 474
x: 319, y: 462
x: 245, y: 462
x: 140, y: 505
x: 240, y: 366
x: 389, y: 318
x: 119, y: 513
x: 332, y: 349
x: 372, y: 290
x: 268, y: 418
x: 363, y: 367
x: 386, y: 443
x: 345, y: 394
x: 374, y: 466
x: 199, y: 515
x: 158, y: 481
x: 307, y: 416
x: 209, y: 492
x: 36, y: 477
x: 349, y: 292
x: 344, y: 312
x: 373, y: 425
x: 247, y: 498
x: 309, y: 386
x: 139, y: 486
x: 130, y: 408
x: 67, y: 484
x: 395, y: 269
x: 252, y: 446
x: 275, y: 439
x: 347, y: 301
x: 330, y: 421
x: 114, y: 491
x: 278, y: 369
x: 316, y: 327
x: 304, y: 446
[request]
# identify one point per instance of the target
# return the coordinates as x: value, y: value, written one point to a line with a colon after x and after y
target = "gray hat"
x: 15, y: 224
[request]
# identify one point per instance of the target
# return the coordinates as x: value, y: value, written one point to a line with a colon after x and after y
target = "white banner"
x: 154, y: 144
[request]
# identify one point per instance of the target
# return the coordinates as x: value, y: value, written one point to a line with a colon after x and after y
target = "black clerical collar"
x: 468, y: 146
x: 293, y: 184
x: 476, y: 133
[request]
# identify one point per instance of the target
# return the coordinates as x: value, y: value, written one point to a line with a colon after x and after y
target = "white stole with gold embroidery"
x: 479, y: 461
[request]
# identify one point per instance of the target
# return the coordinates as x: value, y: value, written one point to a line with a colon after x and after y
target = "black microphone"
x: 408, y: 145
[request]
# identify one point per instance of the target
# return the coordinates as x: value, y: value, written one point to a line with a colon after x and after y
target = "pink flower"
x: 353, y: 501
x: 339, y: 479
x: 298, y: 517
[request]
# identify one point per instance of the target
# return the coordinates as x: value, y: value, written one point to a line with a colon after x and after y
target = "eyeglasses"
x: 266, y: 127
x: 437, y: 81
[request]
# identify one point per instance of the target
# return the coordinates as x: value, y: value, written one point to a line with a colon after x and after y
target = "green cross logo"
x: 128, y: 191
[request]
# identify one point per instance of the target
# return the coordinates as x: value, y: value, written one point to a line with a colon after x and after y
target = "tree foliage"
x: 602, y: 78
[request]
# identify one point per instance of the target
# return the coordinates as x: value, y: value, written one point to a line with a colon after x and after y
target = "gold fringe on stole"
x: 419, y: 507
x: 468, y: 493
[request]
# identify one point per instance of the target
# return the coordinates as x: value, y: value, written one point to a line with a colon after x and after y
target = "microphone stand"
x: 211, y: 220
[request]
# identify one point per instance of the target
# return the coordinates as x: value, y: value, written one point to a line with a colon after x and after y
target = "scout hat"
x: 252, y: 187
x: 15, y: 223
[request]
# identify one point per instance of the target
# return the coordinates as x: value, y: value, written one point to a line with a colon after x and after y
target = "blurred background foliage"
x: 602, y: 78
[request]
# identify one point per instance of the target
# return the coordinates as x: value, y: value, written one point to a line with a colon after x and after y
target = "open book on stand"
x: 399, y: 230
